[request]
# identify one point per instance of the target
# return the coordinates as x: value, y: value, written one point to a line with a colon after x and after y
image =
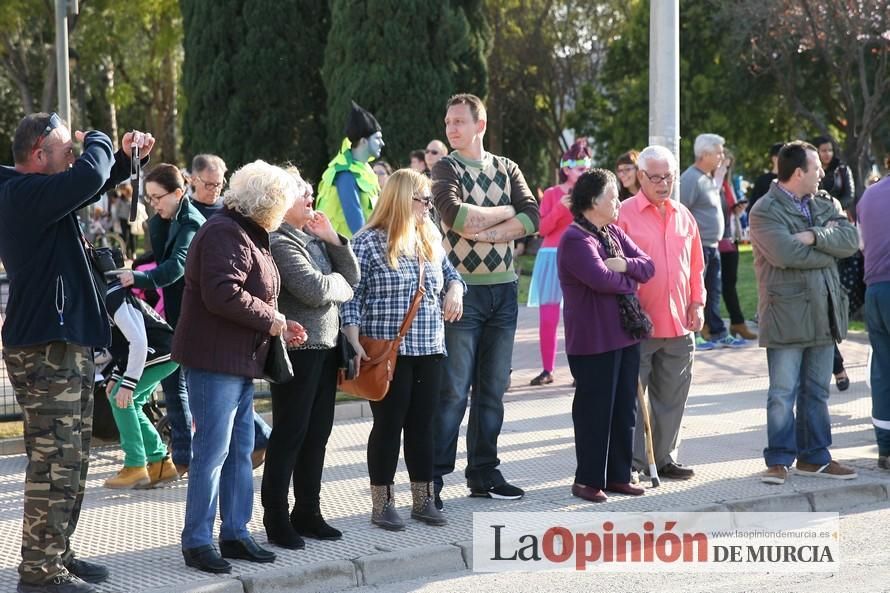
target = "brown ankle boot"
x: 161, y: 472
x: 741, y: 330
x: 383, y: 509
x: 423, y: 507
x: 129, y: 477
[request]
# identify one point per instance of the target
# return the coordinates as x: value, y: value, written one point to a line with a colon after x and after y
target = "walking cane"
x: 647, y: 430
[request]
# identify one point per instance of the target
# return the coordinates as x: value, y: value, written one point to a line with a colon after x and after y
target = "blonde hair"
x: 262, y: 192
x: 394, y: 215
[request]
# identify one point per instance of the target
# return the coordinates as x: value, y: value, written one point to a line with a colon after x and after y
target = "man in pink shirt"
x: 673, y: 298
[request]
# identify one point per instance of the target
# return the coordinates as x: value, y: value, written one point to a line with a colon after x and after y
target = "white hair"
x: 262, y: 192
x: 656, y: 152
x: 707, y: 143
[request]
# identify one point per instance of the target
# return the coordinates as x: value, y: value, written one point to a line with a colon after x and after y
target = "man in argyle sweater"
x: 484, y: 205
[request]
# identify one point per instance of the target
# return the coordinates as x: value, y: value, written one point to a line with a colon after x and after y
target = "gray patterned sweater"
x: 316, y: 278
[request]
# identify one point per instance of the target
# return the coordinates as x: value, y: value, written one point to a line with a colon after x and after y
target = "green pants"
x: 139, y: 438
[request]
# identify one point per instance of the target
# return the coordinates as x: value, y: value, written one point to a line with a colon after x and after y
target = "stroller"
x: 104, y: 426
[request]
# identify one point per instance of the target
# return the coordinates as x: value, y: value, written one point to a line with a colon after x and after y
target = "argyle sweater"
x: 493, y: 181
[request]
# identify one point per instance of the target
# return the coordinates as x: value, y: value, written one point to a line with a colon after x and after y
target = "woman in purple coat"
x: 599, y: 268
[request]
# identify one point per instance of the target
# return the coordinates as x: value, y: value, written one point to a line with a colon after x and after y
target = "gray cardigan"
x: 316, y: 277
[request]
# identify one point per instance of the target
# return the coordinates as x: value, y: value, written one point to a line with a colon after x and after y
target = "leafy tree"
x: 545, y: 53
x: 401, y: 60
x: 251, y: 82
x: 830, y: 59
x: 717, y: 93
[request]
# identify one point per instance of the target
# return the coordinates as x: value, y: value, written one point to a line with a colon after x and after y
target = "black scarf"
x: 633, y: 319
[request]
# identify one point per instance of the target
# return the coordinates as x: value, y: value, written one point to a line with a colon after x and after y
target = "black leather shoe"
x: 87, y: 571
x: 675, y: 471
x: 245, y: 549
x: 206, y: 558
x: 312, y: 524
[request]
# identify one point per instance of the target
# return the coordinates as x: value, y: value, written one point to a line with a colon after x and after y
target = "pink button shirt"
x: 673, y: 243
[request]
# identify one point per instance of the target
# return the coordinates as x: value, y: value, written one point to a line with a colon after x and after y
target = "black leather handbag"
x: 278, y: 368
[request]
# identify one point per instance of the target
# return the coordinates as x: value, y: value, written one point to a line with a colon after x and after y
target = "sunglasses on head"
x: 54, y: 122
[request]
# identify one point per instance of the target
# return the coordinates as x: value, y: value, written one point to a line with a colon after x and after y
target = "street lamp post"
x: 664, y: 74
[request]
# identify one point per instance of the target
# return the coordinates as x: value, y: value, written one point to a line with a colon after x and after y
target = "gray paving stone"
x: 409, y: 564
x: 230, y: 585
x: 799, y: 502
x: 466, y: 550
x: 320, y: 577
x: 848, y: 495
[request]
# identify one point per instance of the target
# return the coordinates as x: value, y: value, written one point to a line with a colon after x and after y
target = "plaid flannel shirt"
x: 384, y: 294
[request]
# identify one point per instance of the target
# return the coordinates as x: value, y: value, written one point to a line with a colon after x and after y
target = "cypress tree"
x: 399, y: 60
x: 252, y: 80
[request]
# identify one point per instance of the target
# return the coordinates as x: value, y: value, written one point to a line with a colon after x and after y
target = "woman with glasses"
x: 544, y: 291
x: 170, y: 231
x: 398, y: 237
x: 626, y: 170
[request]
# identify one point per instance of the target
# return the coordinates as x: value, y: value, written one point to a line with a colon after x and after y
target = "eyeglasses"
x: 425, y: 199
x: 152, y: 199
x: 656, y: 179
x: 431, y: 151
x: 211, y: 186
x: 54, y: 122
x: 627, y: 169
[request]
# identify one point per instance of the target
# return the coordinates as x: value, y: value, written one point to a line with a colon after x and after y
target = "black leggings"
x: 303, y: 415
x: 410, y: 405
x: 729, y: 274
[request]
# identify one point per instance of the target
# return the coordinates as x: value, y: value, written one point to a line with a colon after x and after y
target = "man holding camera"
x: 54, y: 320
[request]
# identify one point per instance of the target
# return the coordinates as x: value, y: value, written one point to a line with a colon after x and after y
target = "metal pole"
x: 62, y: 60
x: 664, y: 74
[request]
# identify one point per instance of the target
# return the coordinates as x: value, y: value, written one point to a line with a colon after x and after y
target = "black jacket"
x: 170, y: 241
x: 52, y: 295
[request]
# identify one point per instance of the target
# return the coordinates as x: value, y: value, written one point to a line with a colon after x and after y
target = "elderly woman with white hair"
x: 229, y: 313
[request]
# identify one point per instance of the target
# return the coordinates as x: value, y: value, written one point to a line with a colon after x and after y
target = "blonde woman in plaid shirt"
x: 387, y: 250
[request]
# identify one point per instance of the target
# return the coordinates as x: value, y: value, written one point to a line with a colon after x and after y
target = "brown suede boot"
x: 383, y: 509
x: 423, y: 507
x: 129, y: 477
x: 740, y: 330
x: 161, y: 472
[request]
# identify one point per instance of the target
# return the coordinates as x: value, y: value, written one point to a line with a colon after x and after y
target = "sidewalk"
x: 136, y: 533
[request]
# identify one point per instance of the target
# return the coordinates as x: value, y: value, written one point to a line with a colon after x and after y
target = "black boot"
x: 312, y: 524
x: 279, y: 530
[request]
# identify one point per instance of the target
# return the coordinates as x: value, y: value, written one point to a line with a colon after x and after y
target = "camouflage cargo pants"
x: 53, y: 384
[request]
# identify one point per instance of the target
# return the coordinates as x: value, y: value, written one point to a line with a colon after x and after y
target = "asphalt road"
x: 865, y: 566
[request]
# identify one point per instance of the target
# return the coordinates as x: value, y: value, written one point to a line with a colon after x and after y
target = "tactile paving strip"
x: 136, y: 533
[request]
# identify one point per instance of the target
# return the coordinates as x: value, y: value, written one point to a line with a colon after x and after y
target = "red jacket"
x: 230, y: 298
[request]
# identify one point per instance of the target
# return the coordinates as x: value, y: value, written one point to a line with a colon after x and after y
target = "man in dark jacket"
x: 54, y: 320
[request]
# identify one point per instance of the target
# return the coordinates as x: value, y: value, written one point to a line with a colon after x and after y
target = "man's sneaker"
x: 64, y: 582
x: 503, y: 491
x: 702, y: 345
x: 774, y: 474
x: 87, y: 571
x: 832, y: 469
x: 729, y: 341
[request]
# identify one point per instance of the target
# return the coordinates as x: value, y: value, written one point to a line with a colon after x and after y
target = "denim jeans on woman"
x: 877, y: 320
x: 801, y: 376
x: 221, y: 470
x: 480, y: 353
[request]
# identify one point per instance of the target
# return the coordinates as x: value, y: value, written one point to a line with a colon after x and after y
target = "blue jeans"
x: 713, y: 287
x: 480, y: 352
x: 221, y: 469
x: 176, y: 402
x: 877, y: 320
x: 798, y: 377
